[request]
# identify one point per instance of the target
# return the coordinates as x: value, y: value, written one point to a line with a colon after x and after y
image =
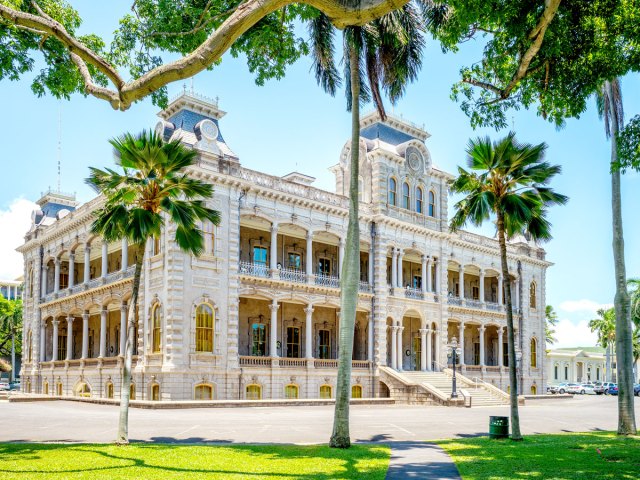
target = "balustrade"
x: 293, y: 275
x: 327, y: 280
x: 414, y: 293
x: 254, y: 269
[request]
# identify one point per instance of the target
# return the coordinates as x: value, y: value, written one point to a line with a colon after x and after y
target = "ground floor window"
x: 83, y: 390
x: 555, y: 372
x: 291, y: 391
x: 566, y: 373
x: 325, y: 391
x: 293, y: 342
x: 155, y: 392
x: 59, y: 389
x: 258, y: 340
x: 356, y: 391
x: 132, y: 392
x: 324, y: 344
x: 28, y: 385
x: 45, y: 388
x: 203, y: 392
x: 253, y: 392
x: 534, y: 390
x: 598, y: 374
x: 109, y: 390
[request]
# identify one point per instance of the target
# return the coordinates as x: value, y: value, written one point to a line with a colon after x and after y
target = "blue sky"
x: 293, y: 125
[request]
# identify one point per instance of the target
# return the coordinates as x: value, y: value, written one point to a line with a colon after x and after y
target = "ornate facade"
x: 257, y: 315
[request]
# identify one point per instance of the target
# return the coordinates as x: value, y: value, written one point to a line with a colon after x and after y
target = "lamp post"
x: 519, y: 367
x: 454, y: 352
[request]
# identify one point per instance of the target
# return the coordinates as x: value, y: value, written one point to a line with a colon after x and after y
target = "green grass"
x: 561, y: 457
x: 162, y: 461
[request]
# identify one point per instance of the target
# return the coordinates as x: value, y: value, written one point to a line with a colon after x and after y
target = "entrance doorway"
x: 416, y: 353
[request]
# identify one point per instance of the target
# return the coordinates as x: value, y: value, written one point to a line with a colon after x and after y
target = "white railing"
x: 254, y: 269
x: 360, y: 363
x: 413, y: 293
x: 292, y: 362
x: 249, y: 361
x: 496, y: 307
x: 293, y: 275
x: 473, y: 303
x: 328, y: 363
x: 364, y: 287
x: 327, y: 280
x: 454, y: 301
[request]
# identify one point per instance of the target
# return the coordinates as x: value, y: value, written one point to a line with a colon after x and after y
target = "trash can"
x: 498, y: 427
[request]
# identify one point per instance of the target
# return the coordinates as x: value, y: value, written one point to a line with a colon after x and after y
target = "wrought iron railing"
x: 254, y: 269
x: 293, y: 275
x: 454, y: 301
x: 415, y: 293
x: 473, y: 303
x: 496, y: 307
x: 364, y: 287
x: 327, y: 280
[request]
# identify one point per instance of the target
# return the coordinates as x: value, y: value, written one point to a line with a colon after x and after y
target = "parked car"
x: 14, y: 385
x: 560, y: 388
x: 612, y: 390
x: 573, y: 388
x: 602, y: 387
x: 587, y: 389
x: 636, y: 389
x: 4, y: 386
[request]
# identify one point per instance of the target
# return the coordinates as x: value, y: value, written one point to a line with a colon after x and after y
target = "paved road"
x: 82, y: 422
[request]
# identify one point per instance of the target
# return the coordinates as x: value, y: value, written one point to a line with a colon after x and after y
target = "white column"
x: 428, y: 279
x: 482, y: 285
x: 70, y: 337
x: 394, y: 345
x: 54, y: 352
x: 500, y: 348
x: 43, y: 332
x: 394, y: 268
x: 105, y: 260
x: 43, y: 281
x: 103, y: 333
x: 125, y: 253
x: 123, y: 327
x: 461, y: 282
x: 516, y: 299
x: 436, y: 266
x: 400, y: 352
x: 273, y: 249
x: 400, y: 275
x: 423, y: 284
x: 370, y: 272
x: 428, y: 364
x: 340, y: 257
x: 437, y: 345
x: 500, y: 287
x: 461, y: 343
x: 481, y: 331
x: 72, y: 268
x: 273, y: 349
x: 87, y: 262
x: 370, y: 338
x: 423, y: 349
x: 308, y: 332
x: 309, y: 258
x: 56, y: 276
x: 85, y: 334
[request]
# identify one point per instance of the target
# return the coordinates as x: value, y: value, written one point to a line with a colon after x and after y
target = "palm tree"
x: 11, y: 323
x: 609, y: 103
x: 388, y: 51
x: 152, y: 187
x: 509, y: 181
x: 551, y: 320
x: 605, y: 327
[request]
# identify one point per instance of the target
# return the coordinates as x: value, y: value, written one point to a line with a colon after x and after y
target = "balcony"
x: 454, y: 301
x: 496, y: 307
x: 254, y: 269
x: 284, y: 362
x: 414, y: 293
x: 364, y: 287
x: 327, y: 280
x: 293, y: 275
x: 94, y: 283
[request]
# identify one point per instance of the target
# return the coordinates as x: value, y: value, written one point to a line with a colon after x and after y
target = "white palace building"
x: 257, y: 315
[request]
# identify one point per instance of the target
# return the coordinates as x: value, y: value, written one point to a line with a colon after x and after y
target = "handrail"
x: 430, y: 389
x: 491, y: 388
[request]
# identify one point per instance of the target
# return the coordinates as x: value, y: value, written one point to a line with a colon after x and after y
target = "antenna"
x: 192, y: 86
x: 59, y: 144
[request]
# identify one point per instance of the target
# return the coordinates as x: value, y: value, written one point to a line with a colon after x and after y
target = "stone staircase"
x: 481, y: 396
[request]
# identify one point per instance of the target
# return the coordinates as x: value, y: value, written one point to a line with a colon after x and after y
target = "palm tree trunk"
x: 624, y: 345
x: 350, y: 274
x: 125, y: 390
x: 13, y: 352
x: 513, y: 380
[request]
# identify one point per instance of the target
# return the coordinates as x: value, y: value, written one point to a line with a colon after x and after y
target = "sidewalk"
x: 420, y: 460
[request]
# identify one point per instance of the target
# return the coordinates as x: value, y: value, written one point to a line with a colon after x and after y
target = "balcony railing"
x: 473, y: 303
x: 293, y: 275
x: 254, y: 269
x: 414, y: 293
x: 364, y: 287
x: 292, y: 362
x: 496, y: 307
x: 96, y: 282
x: 250, y: 361
x: 327, y: 280
x: 454, y: 301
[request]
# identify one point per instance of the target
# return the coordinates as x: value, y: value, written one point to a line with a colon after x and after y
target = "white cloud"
x: 14, y: 223
x: 570, y: 334
x: 584, y: 305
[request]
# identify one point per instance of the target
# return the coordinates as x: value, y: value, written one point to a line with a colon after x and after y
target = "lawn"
x: 593, y: 456
x: 162, y: 461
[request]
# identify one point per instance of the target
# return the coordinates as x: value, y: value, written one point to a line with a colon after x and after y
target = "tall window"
x: 534, y: 390
x: 406, y: 197
x: 432, y: 204
x: 209, y: 234
x: 295, y: 261
x: 534, y: 353
x: 325, y: 391
x: 419, y: 200
x: 204, y: 328
x: 291, y: 391
x: 203, y: 392
x: 45, y: 388
x: 356, y: 391
x: 555, y: 372
x: 566, y: 372
x: 59, y: 389
x: 393, y: 189
x: 253, y: 392
x: 532, y: 295
x: 155, y: 246
x: 258, y: 340
x: 62, y: 347
x: 156, y: 328
x: 598, y: 374
x: 293, y: 342
x: 324, y: 344
x: 260, y: 255
x: 132, y: 392
x: 324, y: 266
x: 109, y: 390
x: 155, y: 392
x: 64, y: 281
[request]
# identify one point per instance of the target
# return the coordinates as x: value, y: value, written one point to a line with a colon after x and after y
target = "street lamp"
x: 454, y: 352
x: 519, y: 367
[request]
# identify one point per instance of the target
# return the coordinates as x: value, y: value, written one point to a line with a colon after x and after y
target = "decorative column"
x: 273, y: 249
x: 500, y: 290
x: 400, y: 273
x: 394, y: 267
x: 429, y: 356
x: 370, y: 338
x: 428, y: 279
x: 436, y: 347
x: 56, y: 276
x: 103, y: 333
x: 309, y: 258
x: 461, y: 282
x: 54, y: 353
x: 43, y: 332
x: 370, y: 265
x: 340, y: 257
x: 273, y: 349
x: 423, y: 349
x: 105, y: 258
x: 400, y: 352
x: 85, y: 334
x: 436, y: 266
x: 500, y: 348
x: 308, y: 332
x: 423, y: 283
x: 123, y: 327
x: 394, y: 346
x: 70, y: 337
x: 72, y: 268
x: 481, y: 331
x: 482, y: 286
x: 43, y: 282
x: 461, y: 343
x: 516, y: 298
x: 125, y: 254
x: 87, y: 262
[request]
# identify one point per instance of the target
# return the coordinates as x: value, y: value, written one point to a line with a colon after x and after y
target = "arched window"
x: 132, y: 391
x: 532, y: 295
x: 156, y: 328
x: 291, y: 391
x: 45, y: 388
x: 83, y: 390
x: 325, y: 391
x: 155, y: 246
x: 253, y: 392
x: 432, y: 204
x: 59, y: 389
x: 110, y: 390
x: 419, y: 200
x: 534, y: 353
x: 534, y: 390
x: 356, y: 391
x: 203, y: 391
x: 406, y: 196
x: 393, y: 189
x: 28, y: 386
x: 155, y: 392
x: 204, y: 328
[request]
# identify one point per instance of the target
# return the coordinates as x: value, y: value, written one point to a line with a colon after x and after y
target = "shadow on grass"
x: 147, y: 460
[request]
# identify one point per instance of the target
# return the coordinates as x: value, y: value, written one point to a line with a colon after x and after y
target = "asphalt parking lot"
x: 65, y: 421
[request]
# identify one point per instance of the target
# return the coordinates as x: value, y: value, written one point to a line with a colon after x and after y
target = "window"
x: 156, y: 328
x: 419, y: 200
x: 209, y: 235
x: 253, y: 392
x: 109, y: 390
x: 324, y: 266
x: 258, y: 340
x: 598, y: 374
x: 295, y: 261
x: 203, y: 392
x: 392, y: 191
x: 432, y: 204
x: 132, y: 391
x: 534, y: 390
x: 64, y: 281
x: 532, y: 295
x: 293, y: 342
x: 291, y: 391
x: 260, y: 255
x: 155, y: 392
x: 566, y: 372
x: 505, y: 354
x: 475, y: 293
x: 83, y: 390
x: 356, y: 391
x: 45, y: 388
x: 324, y: 344
x: 325, y: 391
x: 406, y: 197
x: 204, y: 328
x: 417, y: 282
x: 155, y: 246
x: 59, y: 389
x: 534, y: 353
x: 555, y: 372
x: 62, y: 347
